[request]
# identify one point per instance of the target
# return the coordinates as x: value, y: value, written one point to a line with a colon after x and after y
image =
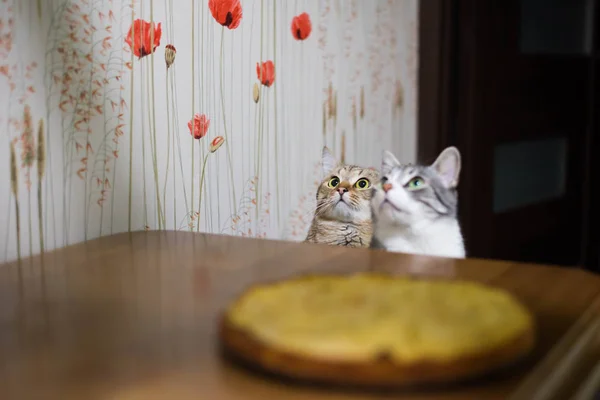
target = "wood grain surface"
x: 134, y: 316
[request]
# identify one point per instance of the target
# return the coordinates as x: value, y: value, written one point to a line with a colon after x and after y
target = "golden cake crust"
x: 278, y: 349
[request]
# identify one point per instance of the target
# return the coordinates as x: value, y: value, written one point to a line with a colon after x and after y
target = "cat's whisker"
x: 322, y: 207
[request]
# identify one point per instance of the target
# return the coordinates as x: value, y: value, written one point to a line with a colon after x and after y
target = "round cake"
x: 376, y: 330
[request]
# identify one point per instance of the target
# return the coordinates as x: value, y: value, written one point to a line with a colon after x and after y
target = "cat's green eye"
x: 415, y: 183
x: 362, y: 183
x: 333, y: 182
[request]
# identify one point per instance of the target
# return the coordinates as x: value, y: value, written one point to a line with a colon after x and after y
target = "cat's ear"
x: 388, y: 162
x: 447, y: 166
x: 328, y: 161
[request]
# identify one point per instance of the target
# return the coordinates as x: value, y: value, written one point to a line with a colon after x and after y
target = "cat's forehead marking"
x: 404, y: 172
x: 397, y: 170
x: 352, y: 170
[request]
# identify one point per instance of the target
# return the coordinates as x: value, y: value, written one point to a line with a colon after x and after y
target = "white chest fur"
x: 441, y: 238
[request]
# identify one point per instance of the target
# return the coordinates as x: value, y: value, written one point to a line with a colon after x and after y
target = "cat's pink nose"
x: 342, y: 190
x: 386, y: 187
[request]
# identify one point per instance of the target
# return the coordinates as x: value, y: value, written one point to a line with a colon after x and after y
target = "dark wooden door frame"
x: 590, y: 246
x: 436, y: 69
x: 441, y: 123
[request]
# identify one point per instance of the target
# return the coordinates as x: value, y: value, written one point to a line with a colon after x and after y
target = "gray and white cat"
x: 414, y: 207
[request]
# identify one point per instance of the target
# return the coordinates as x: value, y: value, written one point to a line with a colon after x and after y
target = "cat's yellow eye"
x: 362, y: 183
x: 333, y: 182
x: 415, y: 183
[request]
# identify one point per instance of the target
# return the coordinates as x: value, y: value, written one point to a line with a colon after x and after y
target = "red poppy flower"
x: 199, y: 126
x: 170, y: 53
x: 301, y: 26
x: 145, y: 33
x: 226, y: 12
x: 216, y: 143
x: 266, y: 73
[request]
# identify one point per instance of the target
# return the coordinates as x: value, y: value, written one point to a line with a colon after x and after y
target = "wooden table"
x: 132, y: 316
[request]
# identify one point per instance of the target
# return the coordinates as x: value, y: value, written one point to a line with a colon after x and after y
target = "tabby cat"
x: 414, y: 207
x: 342, y: 216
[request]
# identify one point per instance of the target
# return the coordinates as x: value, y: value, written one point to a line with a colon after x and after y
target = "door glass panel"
x: 528, y: 172
x: 556, y: 26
